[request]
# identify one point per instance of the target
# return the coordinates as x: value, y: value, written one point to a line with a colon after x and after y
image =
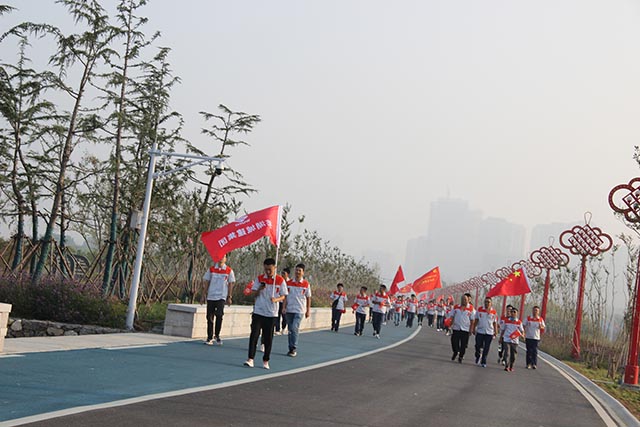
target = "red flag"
x: 244, y: 231
x: 427, y: 282
x: 514, y: 284
x: 399, y: 278
x: 406, y: 289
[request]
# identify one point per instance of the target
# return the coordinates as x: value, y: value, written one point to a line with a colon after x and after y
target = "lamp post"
x: 625, y: 199
x: 549, y: 258
x: 584, y: 241
x: 151, y: 175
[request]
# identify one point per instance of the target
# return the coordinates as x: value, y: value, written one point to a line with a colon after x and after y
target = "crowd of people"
x: 282, y: 302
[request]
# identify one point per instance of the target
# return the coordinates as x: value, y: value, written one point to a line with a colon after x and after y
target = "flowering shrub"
x: 61, y: 300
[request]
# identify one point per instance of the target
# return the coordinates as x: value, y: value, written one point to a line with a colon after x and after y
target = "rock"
x: 16, y: 326
x: 70, y: 333
x: 56, y: 332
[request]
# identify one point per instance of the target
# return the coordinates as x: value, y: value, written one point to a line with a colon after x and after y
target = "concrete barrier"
x: 5, y: 309
x: 190, y: 320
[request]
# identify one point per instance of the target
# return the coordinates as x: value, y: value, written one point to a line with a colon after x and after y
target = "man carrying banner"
x: 269, y: 289
x: 296, y: 305
x: 462, y: 316
x: 218, y: 285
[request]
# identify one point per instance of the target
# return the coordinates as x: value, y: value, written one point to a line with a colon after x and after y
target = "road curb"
x: 614, y: 408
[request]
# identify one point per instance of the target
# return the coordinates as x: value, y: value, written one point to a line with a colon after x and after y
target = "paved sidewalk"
x: 14, y: 346
x: 46, y: 381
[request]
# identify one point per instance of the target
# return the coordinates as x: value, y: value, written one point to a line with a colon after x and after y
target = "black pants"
x: 281, y: 322
x: 214, y: 309
x: 420, y: 318
x: 459, y: 342
x: 410, y: 317
x: 261, y: 325
x: 377, y: 321
x: 510, y: 350
x: 335, y: 319
x: 430, y: 320
x: 360, y: 319
x: 532, y: 351
x: 483, y: 344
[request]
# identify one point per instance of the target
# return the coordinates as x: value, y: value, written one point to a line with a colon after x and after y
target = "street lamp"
x: 584, y: 241
x: 549, y: 258
x: 151, y: 175
x: 625, y: 199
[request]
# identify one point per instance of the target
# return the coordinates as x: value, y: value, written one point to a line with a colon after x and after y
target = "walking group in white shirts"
x: 485, y: 325
x: 277, y: 296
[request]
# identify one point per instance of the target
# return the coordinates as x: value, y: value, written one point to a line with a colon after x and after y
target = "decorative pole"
x: 549, y: 258
x: 625, y: 199
x: 584, y: 241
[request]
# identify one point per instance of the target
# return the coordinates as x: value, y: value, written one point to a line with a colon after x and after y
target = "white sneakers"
x: 208, y: 342
x: 265, y: 365
x: 249, y: 363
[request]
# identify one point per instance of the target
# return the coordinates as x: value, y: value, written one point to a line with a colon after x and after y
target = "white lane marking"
x: 6, y: 356
x: 127, y: 347
x: 123, y: 402
x: 609, y: 422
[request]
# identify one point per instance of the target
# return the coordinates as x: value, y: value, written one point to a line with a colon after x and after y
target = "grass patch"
x: 628, y: 397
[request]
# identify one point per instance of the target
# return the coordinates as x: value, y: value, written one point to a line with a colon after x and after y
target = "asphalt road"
x: 415, y: 383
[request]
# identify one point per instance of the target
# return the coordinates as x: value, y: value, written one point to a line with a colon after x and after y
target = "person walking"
x: 269, y: 289
x: 511, y: 337
x: 533, y: 327
x: 501, y: 353
x: 281, y: 323
x: 360, y: 305
x: 485, y: 328
x: 380, y: 302
x: 431, y: 312
x: 339, y: 298
x: 422, y: 309
x: 461, y: 316
x: 218, y: 285
x: 412, y: 308
x: 398, y: 306
x: 296, y: 305
x: 440, y: 313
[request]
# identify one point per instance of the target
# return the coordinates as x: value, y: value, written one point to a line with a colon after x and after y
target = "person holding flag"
x: 533, y: 326
x: 360, y: 304
x: 339, y: 298
x: 296, y: 304
x: 511, y: 337
x: 461, y: 316
x: 485, y: 328
x: 380, y: 302
x: 269, y: 289
x: 218, y: 286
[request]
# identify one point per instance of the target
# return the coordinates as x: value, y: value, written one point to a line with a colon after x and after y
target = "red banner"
x: 399, y: 278
x: 244, y: 231
x: 428, y: 281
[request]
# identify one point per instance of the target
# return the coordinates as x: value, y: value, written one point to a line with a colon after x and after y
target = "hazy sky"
x: 371, y: 110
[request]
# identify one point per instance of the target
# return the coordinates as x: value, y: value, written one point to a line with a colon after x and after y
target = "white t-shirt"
x: 462, y: 317
x: 263, y: 304
x: 486, y: 320
x: 363, y: 303
x: 297, y: 297
x: 532, y: 327
x: 219, y: 277
x: 380, y: 302
x: 412, y: 306
x: 341, y: 297
x: 512, y: 331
